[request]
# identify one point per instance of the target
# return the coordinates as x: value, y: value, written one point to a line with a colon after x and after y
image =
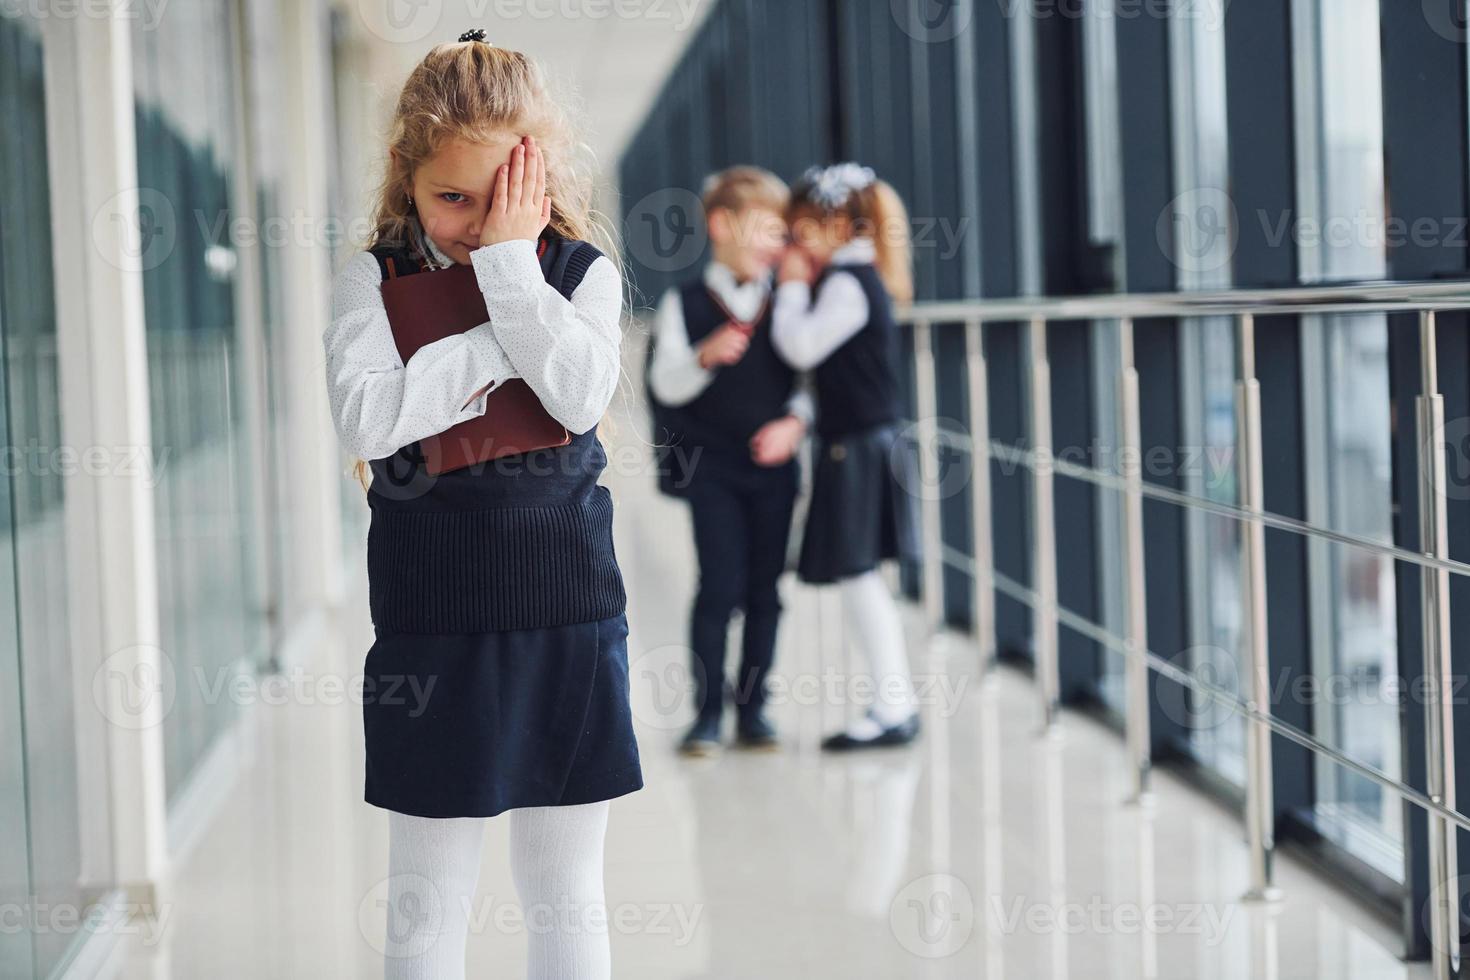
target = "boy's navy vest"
x: 857, y: 385
x: 518, y: 542
x: 716, y: 425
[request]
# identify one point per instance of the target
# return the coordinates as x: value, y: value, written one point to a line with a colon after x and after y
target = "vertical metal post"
x: 983, y: 581
x: 926, y: 397
x: 1044, y: 532
x: 1259, y: 799
x: 1439, y: 761
x: 1135, y: 618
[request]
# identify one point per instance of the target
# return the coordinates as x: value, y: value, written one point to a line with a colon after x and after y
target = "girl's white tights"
x: 556, y: 860
x: 874, y: 627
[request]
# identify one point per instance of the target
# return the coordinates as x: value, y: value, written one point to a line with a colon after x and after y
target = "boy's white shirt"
x: 675, y: 376
x: 806, y: 334
x: 567, y: 352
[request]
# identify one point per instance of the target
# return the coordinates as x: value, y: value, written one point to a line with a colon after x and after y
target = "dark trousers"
x: 742, y: 523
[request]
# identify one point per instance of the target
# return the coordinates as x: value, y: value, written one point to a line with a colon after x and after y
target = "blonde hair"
x: 476, y: 91
x: 873, y: 208
x: 741, y: 187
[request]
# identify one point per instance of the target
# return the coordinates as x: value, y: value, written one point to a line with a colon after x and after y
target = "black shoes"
x: 703, y: 737
x: 752, y: 731
x: 755, y: 732
x: 900, y: 734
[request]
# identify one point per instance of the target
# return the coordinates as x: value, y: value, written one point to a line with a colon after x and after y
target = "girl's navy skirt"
x: 864, y: 504
x: 473, y: 724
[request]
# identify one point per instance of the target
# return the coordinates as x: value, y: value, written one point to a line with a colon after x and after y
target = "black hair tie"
x: 477, y: 34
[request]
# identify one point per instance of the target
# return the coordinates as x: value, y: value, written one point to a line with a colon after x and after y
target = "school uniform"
x: 498, y: 675
x: 863, y: 507
x: 741, y: 511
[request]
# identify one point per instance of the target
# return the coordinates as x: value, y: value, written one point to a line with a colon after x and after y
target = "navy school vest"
x: 857, y: 385
x: 740, y: 398
x: 519, y: 542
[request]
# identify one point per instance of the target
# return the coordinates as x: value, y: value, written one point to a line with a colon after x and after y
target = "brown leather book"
x: 431, y: 305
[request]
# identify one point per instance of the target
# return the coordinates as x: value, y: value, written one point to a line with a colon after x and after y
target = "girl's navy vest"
x: 519, y: 542
x: 717, y: 424
x: 857, y: 385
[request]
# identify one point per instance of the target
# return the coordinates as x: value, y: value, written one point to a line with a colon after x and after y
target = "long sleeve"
x: 801, y: 404
x: 675, y: 377
x: 804, y: 334
x: 567, y: 351
x: 380, y: 404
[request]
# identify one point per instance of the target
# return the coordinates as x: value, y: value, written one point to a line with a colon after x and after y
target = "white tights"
x: 874, y: 627
x: 556, y: 861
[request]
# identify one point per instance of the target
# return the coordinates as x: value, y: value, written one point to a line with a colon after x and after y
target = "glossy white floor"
x: 982, y: 851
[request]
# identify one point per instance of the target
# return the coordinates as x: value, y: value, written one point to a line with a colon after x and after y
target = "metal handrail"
x: 1421, y: 298
x: 1358, y: 297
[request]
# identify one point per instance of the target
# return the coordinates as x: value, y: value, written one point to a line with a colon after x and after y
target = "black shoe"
x: 753, y: 731
x: 900, y: 734
x: 703, y: 737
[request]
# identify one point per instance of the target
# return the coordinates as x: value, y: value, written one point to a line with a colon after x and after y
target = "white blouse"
x: 676, y: 377
x: 567, y: 352
x: 806, y: 334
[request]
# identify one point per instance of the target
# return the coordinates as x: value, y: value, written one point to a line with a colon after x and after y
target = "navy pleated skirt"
x: 473, y: 724
x: 864, y: 504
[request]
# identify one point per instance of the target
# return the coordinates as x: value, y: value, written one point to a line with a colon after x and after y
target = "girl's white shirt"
x: 676, y: 376
x: 566, y: 351
x: 805, y: 334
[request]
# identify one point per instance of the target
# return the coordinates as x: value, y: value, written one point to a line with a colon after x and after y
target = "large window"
x: 1202, y: 238
x: 212, y: 607
x: 1345, y: 396
x: 41, y: 812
